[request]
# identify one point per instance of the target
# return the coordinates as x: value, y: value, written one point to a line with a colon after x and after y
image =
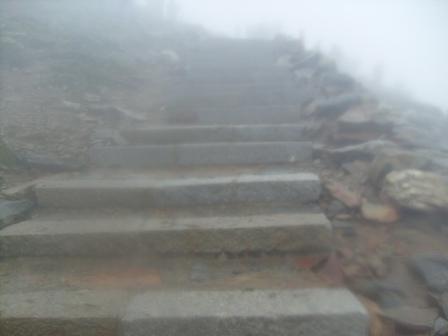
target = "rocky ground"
x: 383, y: 160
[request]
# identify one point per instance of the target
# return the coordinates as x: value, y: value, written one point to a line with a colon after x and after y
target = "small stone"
x: 343, y: 217
x: 350, y: 198
x: 334, y: 208
x: 381, y: 213
x: 345, y: 227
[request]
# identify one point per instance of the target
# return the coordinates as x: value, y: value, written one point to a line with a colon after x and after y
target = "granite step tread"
x: 200, y: 154
x: 158, y: 190
x: 313, y: 312
x: 143, y: 233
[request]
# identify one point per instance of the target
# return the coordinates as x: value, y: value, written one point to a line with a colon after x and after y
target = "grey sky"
x: 408, y: 37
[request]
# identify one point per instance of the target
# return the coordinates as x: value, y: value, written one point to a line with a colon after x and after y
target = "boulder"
x: 381, y: 213
x: 390, y: 160
x: 13, y: 211
x: 417, y: 190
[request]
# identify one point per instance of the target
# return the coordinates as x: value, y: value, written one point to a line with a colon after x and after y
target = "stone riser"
x: 208, y: 154
x: 138, y: 192
x: 311, y: 312
x: 139, y: 235
x: 251, y: 114
x: 208, y: 134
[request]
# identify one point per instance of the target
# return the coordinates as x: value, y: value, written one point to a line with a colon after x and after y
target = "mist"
x: 405, y: 42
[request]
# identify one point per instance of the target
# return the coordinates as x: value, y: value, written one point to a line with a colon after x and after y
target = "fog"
x: 405, y: 42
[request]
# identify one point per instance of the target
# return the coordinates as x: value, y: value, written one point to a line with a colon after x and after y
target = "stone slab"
x: 313, y: 312
x: 150, y: 156
x: 153, y: 192
x: 59, y: 312
x: 140, y: 234
x: 214, y: 133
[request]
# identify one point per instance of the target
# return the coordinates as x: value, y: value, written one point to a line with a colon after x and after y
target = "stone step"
x: 322, y: 312
x: 249, y: 114
x: 103, y: 296
x: 205, y: 154
x: 59, y: 312
x: 200, y: 91
x: 235, y: 100
x: 216, y: 76
x: 214, y: 133
x: 311, y: 312
x: 124, y: 233
x: 153, y: 190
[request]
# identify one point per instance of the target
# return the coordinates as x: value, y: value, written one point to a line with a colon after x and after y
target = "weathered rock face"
x: 417, y: 190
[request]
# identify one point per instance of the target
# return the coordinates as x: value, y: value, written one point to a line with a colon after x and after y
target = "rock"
x: 391, y: 160
x: 381, y: 213
x: 334, y: 208
x: 7, y: 157
x: 366, y: 150
x: 13, y: 211
x: 339, y: 80
x: 412, y: 318
x: 378, y: 325
x: 433, y: 269
x: 417, y: 190
x: 367, y: 118
x: 343, y: 194
x: 440, y: 327
x: 333, y: 105
x: 344, y: 227
x: 20, y: 192
x: 385, y: 294
x: 418, y: 137
x: 443, y: 303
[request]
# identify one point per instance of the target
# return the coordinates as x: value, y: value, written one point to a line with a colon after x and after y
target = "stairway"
x: 182, y: 229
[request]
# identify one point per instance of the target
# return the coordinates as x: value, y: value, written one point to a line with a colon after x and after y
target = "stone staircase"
x: 185, y: 229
